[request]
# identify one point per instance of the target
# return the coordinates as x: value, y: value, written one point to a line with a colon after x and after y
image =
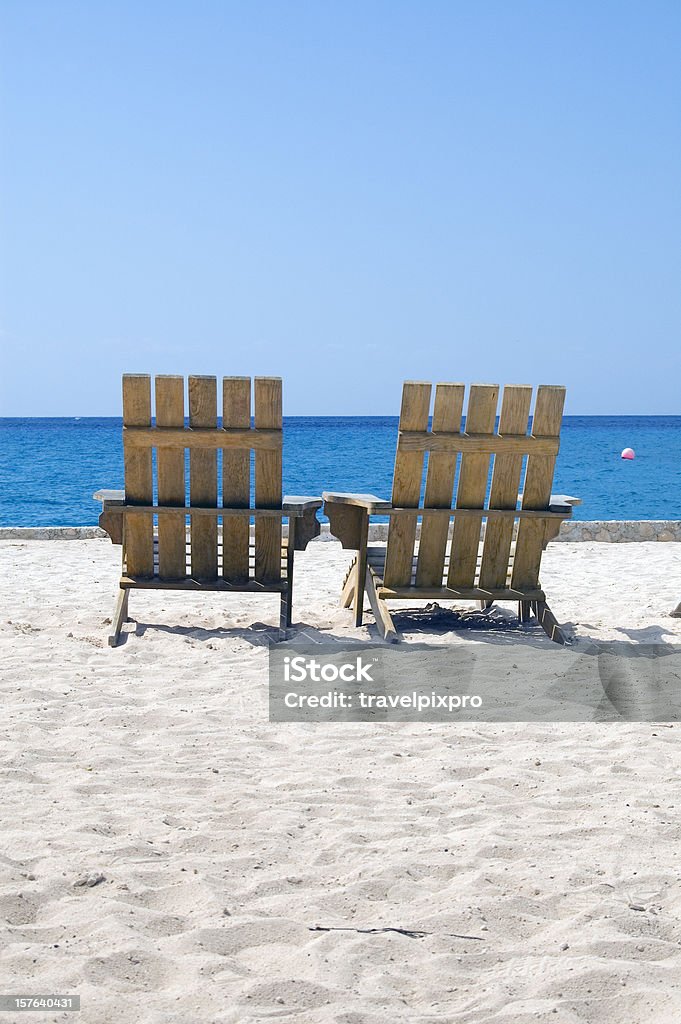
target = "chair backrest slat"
x: 203, y: 480
x: 447, y: 414
x: 268, y: 415
x: 513, y: 419
x: 139, y: 537
x: 236, y: 480
x: 546, y: 422
x: 472, y: 489
x: 172, y: 529
x: 406, y: 486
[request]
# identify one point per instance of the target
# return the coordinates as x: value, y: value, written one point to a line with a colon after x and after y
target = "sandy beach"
x: 172, y: 857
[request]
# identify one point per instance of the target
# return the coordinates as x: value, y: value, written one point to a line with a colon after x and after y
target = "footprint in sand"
x: 18, y: 908
x: 233, y: 939
x: 131, y: 970
x: 287, y: 997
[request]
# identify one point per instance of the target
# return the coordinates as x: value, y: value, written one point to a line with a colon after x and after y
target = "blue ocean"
x: 49, y: 468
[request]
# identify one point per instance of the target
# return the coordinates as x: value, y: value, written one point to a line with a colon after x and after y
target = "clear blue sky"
x: 344, y: 193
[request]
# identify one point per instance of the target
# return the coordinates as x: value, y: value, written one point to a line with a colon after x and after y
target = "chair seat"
x: 376, y: 563
x: 219, y: 583
x: 376, y: 559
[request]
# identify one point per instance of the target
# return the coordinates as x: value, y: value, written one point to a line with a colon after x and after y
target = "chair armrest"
x: 349, y: 516
x: 369, y: 502
x: 300, y: 503
x: 110, y: 497
x: 565, y: 499
x: 111, y: 517
x: 563, y: 503
x: 303, y: 525
x: 559, y: 503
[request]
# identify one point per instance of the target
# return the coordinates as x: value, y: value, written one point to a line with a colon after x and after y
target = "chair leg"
x: 285, y: 611
x: 524, y: 611
x: 358, y: 605
x: 120, y: 615
x: 361, y: 572
x: 348, y: 593
x: 485, y: 606
x: 286, y: 603
x: 386, y: 626
x: 548, y: 622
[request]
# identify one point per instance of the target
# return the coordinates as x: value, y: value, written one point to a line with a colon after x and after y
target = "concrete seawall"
x: 602, y: 531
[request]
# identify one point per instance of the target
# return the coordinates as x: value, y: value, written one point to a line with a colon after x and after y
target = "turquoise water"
x: 50, y: 467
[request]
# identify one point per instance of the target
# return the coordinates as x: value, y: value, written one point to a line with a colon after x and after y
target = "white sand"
x: 224, y: 839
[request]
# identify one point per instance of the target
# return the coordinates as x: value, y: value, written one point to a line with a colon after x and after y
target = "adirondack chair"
x: 492, y: 551
x: 204, y: 545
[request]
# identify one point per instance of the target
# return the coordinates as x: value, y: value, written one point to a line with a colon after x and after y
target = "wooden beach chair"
x: 472, y: 548
x: 204, y: 545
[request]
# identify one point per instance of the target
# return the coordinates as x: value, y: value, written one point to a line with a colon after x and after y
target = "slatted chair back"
x: 171, y: 539
x: 486, y: 517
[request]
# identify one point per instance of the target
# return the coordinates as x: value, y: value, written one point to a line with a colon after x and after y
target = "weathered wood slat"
x: 361, y: 570
x: 369, y: 502
x: 515, y: 411
x: 480, y: 419
x: 300, y: 504
x: 439, y: 485
x: 384, y: 622
x: 171, y: 480
x: 227, y: 513
x: 547, y: 621
x: 213, y: 439
x: 425, y: 441
x: 460, y: 593
x: 203, y: 479
x: 236, y: 479
x: 268, y: 490
x: 349, y: 587
x: 532, y: 533
x: 138, y: 476
x: 156, y: 583
x: 406, y: 484
x: 479, y: 513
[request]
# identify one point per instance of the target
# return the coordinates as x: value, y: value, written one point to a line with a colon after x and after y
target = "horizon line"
x: 356, y: 416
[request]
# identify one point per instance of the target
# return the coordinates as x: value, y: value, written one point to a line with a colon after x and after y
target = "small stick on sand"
x: 409, y: 932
